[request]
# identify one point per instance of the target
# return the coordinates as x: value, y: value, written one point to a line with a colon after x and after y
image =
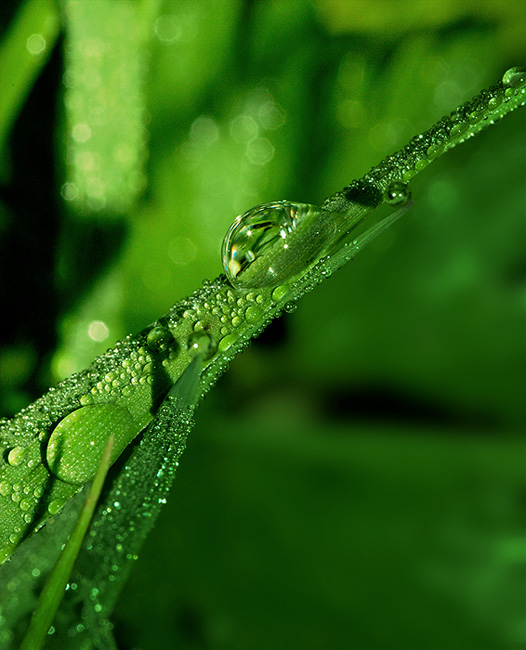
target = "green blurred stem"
x: 21, y: 61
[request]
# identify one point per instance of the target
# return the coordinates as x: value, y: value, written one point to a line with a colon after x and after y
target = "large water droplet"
x: 514, y: 77
x: 254, y: 243
x: 77, y: 443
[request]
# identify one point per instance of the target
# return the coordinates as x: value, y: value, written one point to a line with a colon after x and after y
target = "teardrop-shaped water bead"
x: 257, y: 249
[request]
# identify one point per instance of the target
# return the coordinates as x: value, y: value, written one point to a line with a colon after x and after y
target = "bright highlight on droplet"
x: 98, y: 331
x: 36, y: 44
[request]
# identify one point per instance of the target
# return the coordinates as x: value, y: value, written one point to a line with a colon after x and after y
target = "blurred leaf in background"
x: 356, y: 480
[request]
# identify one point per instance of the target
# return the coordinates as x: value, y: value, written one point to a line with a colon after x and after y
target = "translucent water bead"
x: 264, y: 246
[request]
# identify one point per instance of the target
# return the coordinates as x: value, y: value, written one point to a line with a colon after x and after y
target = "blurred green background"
x: 357, y: 478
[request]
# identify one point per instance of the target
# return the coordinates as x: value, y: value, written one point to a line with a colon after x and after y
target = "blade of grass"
x: 53, y: 590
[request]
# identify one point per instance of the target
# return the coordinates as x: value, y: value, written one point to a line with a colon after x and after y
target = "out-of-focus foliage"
x: 356, y: 480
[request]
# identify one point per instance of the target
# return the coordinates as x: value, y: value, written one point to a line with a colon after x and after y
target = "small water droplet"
x: 397, y: 194
x: 435, y: 150
x: 159, y: 338
x: 25, y: 504
x: 408, y: 175
x: 514, y: 77
x: 202, y: 343
x: 495, y: 102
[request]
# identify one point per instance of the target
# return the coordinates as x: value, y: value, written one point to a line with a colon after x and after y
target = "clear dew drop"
x: 514, y: 77
x: 255, y: 240
x: 397, y: 194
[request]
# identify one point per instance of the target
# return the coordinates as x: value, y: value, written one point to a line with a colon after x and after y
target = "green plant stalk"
x: 53, y: 591
x: 127, y: 514
x: 122, y: 390
x: 21, y: 60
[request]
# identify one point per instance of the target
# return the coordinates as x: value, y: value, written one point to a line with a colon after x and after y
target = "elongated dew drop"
x: 76, y: 445
x: 16, y: 456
